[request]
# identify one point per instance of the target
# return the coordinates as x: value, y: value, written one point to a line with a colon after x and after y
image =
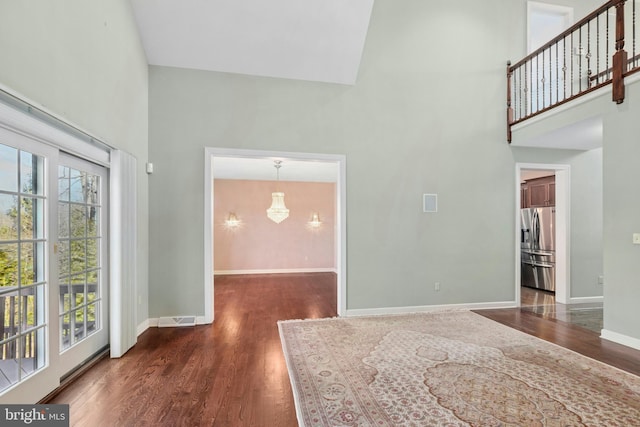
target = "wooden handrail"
x: 527, y: 81
x: 567, y: 32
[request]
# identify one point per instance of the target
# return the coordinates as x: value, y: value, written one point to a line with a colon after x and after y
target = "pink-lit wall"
x: 259, y: 244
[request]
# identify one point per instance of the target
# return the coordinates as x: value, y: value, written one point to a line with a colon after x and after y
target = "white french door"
x: 82, y: 268
x: 53, y: 265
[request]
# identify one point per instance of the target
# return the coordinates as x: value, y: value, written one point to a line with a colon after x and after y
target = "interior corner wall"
x: 84, y: 62
x: 258, y: 244
x: 622, y: 216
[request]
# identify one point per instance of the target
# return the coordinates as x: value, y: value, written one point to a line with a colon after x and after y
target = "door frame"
x: 341, y: 217
x: 563, y: 229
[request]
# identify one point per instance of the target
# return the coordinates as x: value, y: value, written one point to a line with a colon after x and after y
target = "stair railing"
x: 587, y: 56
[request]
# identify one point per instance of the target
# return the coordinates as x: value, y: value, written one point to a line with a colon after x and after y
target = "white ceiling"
x: 262, y: 169
x: 317, y: 40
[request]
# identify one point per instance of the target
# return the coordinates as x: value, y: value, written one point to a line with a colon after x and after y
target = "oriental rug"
x: 452, y: 368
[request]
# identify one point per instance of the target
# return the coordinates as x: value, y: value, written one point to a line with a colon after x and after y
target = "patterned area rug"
x: 447, y: 369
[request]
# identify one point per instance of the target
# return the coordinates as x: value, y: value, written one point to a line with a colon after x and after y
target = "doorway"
x: 561, y: 231
x: 339, y: 161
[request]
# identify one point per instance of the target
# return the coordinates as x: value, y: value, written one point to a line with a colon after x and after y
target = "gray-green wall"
x: 622, y: 216
x: 427, y: 115
x: 83, y: 60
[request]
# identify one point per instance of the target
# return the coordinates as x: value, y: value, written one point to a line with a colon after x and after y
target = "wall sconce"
x: 315, y: 220
x: 232, y: 220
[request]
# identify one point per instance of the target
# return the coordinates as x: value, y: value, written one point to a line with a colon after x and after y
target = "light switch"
x: 636, y: 238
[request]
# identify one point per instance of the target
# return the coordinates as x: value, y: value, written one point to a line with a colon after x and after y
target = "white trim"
x: 585, y: 300
x: 341, y: 220
x: 275, y: 271
x: 142, y: 327
x: 153, y: 322
x: 19, y: 122
x: 563, y: 228
x: 620, y: 339
x: 430, y: 308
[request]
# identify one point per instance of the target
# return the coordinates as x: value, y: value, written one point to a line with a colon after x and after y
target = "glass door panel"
x: 82, y: 267
x: 23, y: 272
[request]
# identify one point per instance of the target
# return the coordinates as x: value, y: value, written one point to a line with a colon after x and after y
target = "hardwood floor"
x: 233, y: 373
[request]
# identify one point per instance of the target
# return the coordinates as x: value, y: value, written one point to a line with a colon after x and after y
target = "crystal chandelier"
x: 278, y: 212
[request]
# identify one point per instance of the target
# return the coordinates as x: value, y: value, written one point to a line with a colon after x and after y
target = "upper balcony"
x: 597, y: 51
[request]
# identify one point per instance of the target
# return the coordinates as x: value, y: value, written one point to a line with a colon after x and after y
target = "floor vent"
x: 169, y: 322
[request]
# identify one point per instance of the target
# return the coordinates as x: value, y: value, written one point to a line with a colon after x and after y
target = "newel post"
x: 620, y: 57
x: 509, y: 107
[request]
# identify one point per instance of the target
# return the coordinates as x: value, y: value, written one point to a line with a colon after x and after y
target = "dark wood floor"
x: 233, y: 373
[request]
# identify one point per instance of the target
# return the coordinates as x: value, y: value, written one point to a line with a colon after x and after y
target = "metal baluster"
x: 598, y: 49
x: 580, y: 60
x: 633, y: 29
x: 564, y: 67
x: 557, y: 74
x: 572, y: 63
x: 542, y: 81
x: 607, y: 57
x: 588, y: 56
x: 526, y: 85
x: 519, y: 104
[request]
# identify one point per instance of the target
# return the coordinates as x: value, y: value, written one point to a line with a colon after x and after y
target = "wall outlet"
x: 436, y: 286
x: 600, y: 280
x: 636, y: 238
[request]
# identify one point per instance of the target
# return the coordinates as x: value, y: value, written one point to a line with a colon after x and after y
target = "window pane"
x: 11, y: 314
x: 63, y: 220
x: 33, y: 359
x: 79, y: 331
x: 92, y: 318
x: 8, y: 217
x: 64, y: 265
x: 65, y: 298
x: 31, y: 313
x: 92, y: 283
x: 93, y: 223
x: 77, y: 290
x: 8, y: 168
x: 78, y: 220
x: 31, y: 218
x: 9, y: 369
x: 92, y: 253
x: 9, y: 265
x: 63, y: 183
x: 27, y: 264
x: 78, y: 255
x: 76, y: 186
x: 65, y: 331
x: 31, y: 173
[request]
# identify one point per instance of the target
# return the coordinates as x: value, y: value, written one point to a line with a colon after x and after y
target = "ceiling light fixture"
x: 278, y: 212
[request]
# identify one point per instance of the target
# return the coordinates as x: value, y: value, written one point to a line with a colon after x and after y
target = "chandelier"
x: 278, y: 212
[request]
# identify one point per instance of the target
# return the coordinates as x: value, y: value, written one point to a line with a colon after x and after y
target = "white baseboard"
x: 583, y: 300
x: 429, y: 308
x: 143, y: 327
x: 620, y: 339
x: 154, y: 321
x: 276, y: 271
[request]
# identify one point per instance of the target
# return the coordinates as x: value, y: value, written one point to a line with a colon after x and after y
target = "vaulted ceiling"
x: 316, y: 40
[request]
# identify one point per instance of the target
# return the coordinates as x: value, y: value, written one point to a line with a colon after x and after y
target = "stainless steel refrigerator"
x: 538, y: 248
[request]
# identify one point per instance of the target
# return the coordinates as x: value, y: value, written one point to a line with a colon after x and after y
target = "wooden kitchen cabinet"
x: 538, y: 192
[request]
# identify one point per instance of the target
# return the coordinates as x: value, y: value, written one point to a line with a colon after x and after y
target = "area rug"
x: 447, y: 369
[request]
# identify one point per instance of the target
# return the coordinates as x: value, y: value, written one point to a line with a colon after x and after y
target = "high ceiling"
x: 316, y: 40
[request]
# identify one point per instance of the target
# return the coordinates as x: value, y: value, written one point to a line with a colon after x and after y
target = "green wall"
x: 83, y: 60
x: 622, y: 216
x: 425, y: 116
